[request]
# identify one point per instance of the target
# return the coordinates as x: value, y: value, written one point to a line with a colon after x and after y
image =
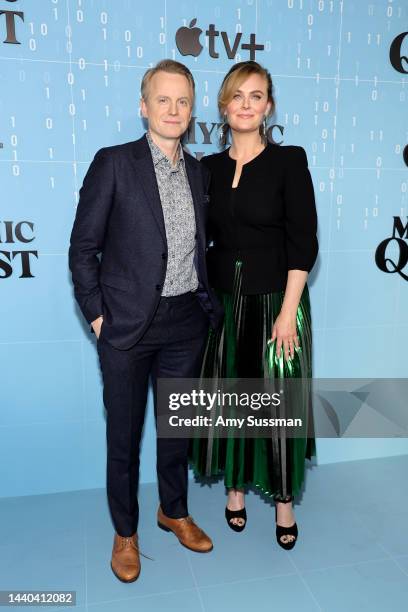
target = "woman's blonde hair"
x: 232, y: 81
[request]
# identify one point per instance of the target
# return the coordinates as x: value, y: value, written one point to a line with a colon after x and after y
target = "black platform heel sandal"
x: 285, y: 531
x: 231, y: 514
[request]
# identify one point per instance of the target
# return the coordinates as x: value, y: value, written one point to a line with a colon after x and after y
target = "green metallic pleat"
x: 242, y: 348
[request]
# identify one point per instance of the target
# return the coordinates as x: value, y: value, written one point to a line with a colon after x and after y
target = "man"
x: 142, y: 207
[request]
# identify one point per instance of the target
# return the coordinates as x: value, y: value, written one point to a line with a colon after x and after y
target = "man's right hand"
x: 96, y: 326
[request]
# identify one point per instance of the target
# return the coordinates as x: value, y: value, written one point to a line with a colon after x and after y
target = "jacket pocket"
x: 117, y: 282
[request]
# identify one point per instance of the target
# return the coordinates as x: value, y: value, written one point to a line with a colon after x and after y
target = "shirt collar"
x: 158, y: 155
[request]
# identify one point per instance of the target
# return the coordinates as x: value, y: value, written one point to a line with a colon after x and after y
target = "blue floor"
x: 352, y: 552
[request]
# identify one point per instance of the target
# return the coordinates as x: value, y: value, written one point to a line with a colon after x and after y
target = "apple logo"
x: 187, y: 40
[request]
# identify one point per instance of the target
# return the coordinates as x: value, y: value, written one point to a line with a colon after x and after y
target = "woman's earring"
x: 264, y: 129
x: 222, y: 132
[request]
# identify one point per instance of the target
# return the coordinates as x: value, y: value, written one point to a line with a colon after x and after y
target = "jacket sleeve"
x: 300, y: 212
x: 87, y: 236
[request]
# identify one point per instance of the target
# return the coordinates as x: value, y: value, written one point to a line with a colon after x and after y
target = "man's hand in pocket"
x: 96, y: 326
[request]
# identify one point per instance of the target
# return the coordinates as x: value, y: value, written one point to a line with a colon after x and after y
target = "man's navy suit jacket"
x: 118, y: 251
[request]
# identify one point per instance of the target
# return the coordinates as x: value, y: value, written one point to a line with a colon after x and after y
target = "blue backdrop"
x: 70, y: 73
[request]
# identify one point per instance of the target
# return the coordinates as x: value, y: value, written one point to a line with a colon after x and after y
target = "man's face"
x: 168, y: 105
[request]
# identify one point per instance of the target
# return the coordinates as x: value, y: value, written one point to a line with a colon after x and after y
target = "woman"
x: 262, y: 222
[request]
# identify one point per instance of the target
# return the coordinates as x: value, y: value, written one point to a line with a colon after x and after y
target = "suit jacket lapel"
x: 144, y: 168
x: 196, y: 192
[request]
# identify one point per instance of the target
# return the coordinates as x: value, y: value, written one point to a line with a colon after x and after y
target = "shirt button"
x: 158, y: 287
x: 164, y: 256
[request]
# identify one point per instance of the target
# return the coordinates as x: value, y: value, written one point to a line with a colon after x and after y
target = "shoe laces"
x: 129, y: 541
x: 187, y: 519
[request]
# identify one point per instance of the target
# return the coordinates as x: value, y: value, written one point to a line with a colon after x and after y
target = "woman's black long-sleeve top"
x: 268, y: 222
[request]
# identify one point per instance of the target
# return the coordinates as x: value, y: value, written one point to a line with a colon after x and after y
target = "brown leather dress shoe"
x: 188, y: 533
x: 125, y: 562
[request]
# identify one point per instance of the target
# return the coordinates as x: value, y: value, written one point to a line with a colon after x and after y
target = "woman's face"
x: 249, y: 105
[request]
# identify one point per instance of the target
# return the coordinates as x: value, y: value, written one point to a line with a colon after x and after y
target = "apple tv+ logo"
x: 188, y: 42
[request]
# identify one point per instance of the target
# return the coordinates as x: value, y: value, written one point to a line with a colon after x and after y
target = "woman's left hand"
x: 284, y: 331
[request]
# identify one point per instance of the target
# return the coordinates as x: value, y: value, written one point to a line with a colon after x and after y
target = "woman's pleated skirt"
x: 240, y: 349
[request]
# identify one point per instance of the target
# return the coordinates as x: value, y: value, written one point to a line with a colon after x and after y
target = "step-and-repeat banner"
x: 70, y: 73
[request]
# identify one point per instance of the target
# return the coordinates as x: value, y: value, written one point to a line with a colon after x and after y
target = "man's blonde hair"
x: 166, y: 65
